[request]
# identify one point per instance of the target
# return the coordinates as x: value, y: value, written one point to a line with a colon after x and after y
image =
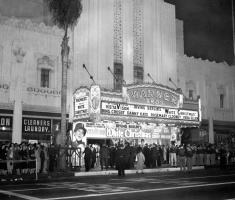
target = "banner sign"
x: 147, y: 111
x: 153, y: 95
x: 5, y: 123
x: 35, y: 125
x: 103, y: 130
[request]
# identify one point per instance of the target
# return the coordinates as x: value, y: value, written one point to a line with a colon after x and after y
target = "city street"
x: 201, y: 184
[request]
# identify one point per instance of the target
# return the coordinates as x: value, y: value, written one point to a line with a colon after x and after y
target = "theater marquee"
x: 147, y: 111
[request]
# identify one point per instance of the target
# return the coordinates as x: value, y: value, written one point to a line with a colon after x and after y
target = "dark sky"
x: 208, y: 31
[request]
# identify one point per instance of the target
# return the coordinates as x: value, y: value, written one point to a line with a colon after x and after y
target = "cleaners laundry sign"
x: 35, y: 125
x: 156, y: 95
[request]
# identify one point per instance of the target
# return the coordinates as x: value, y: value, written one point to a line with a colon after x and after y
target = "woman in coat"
x: 140, y: 161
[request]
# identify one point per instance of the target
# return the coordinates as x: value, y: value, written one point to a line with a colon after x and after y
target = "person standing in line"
x: 182, y: 158
x: 177, y: 156
x: 223, y: 154
x: 17, y: 158
x: 173, y: 155
x: 52, y: 157
x: 154, y: 155
x: 164, y: 154
x: 87, y: 158
x: 127, y: 155
x: 194, y: 160
x: 189, y: 156
x: 43, y: 158
x: 104, y: 156
x: 112, y: 156
x: 132, y: 156
x: 140, y: 161
x: 213, y: 154
x: 147, y: 155
x: 37, y: 156
x: 93, y: 156
x: 120, y: 160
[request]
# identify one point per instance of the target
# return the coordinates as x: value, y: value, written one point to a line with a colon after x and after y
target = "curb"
x: 112, y: 172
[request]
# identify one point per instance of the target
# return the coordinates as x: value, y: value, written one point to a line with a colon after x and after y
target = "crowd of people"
x: 27, y: 158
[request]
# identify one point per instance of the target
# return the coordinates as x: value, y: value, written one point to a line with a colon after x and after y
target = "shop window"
x: 138, y: 74
x: 45, y: 77
x: 190, y: 94
x: 118, y: 76
x: 221, y: 100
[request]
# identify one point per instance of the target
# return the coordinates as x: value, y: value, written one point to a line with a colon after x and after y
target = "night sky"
x: 208, y: 31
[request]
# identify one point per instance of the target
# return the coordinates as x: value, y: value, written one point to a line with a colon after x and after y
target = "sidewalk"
x: 81, y: 172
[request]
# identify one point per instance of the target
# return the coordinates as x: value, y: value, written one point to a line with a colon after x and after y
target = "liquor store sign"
x: 133, y: 110
x: 36, y: 125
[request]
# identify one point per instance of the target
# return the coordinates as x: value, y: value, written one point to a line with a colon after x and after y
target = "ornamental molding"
x: 28, y: 107
x: 28, y: 25
x: 7, y: 106
x: 221, y: 89
x: 43, y: 91
x: 18, y: 50
x: 195, y: 62
x: 191, y: 85
x: 45, y: 61
x: 4, y: 87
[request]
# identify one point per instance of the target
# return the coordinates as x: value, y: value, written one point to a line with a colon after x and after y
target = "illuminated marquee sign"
x: 81, y: 102
x: 153, y: 95
x: 81, y: 105
x: 147, y: 111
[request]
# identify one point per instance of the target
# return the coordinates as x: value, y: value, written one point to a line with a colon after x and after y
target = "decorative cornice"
x: 8, y: 106
x: 27, y: 107
x: 28, y: 25
x: 208, y: 63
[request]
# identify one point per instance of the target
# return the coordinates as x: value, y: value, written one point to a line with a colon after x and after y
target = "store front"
x: 39, y: 126
x: 5, y: 128
x: 142, y: 113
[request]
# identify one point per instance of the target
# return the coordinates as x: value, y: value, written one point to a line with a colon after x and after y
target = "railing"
x: 73, y: 156
x: 22, y: 161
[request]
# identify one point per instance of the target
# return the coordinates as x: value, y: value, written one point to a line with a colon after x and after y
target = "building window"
x: 190, y: 94
x: 221, y: 101
x: 45, y: 75
x: 138, y: 74
x: 118, y: 76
